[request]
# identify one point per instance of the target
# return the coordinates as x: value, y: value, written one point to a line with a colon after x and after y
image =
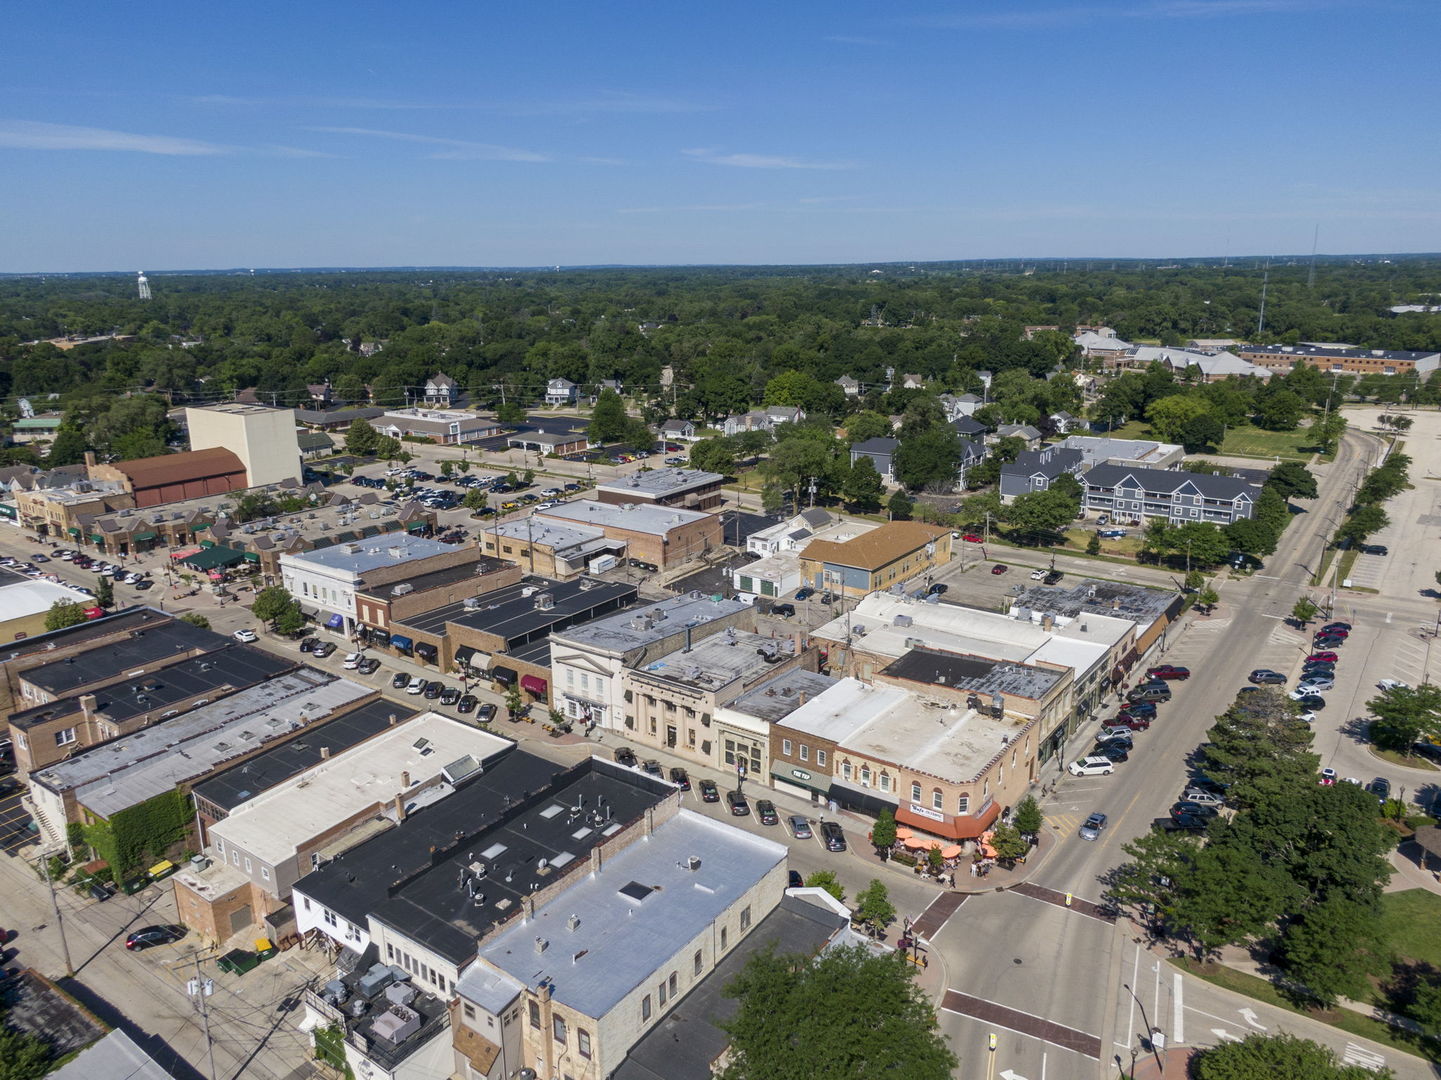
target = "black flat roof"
x: 518, y: 812
x: 977, y: 673
x: 236, y: 666
x: 689, y: 1038
x: 135, y: 618
x: 229, y: 789
x: 513, y: 615
x: 111, y: 660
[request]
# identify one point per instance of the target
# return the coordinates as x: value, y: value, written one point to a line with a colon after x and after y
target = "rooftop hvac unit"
x: 904, y: 620
x: 544, y: 601
x: 914, y: 642
x: 402, y: 589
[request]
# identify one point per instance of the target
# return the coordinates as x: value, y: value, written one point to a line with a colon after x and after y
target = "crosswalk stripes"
x: 1366, y: 1059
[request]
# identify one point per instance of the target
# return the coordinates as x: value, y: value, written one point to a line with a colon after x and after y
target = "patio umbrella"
x: 951, y: 852
x: 904, y: 834
x: 921, y: 843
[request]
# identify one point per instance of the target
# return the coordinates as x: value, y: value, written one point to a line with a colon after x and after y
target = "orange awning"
x: 958, y: 828
x: 921, y: 843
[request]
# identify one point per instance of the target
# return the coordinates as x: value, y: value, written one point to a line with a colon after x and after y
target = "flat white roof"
x: 637, y: 517
x: 274, y: 825
x: 846, y: 707
x: 550, y: 533
x: 25, y: 598
x: 661, y: 482
x: 375, y: 553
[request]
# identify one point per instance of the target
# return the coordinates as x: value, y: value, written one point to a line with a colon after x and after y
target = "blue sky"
x: 184, y: 135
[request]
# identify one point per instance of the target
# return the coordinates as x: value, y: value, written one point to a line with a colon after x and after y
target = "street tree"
x: 1361, y: 523
x: 1093, y: 544
x: 1331, y: 949
x: 1328, y: 431
x: 510, y: 412
x: 1028, y: 817
x: 104, y: 591
x: 883, y: 832
x: 1201, y: 542
x: 1194, y: 580
x: 271, y: 603
x: 1304, y: 610
x: 475, y: 500
x: 1277, y: 1057
x: 847, y: 1012
x: 1208, y: 598
x: 867, y: 425
x: 1008, y: 843
x: 862, y: 487
x: 874, y: 907
x: 1404, y: 715
x: 290, y: 621
x: 64, y: 613
x: 388, y: 448
x: 900, y: 506
x: 361, y: 438
x: 1293, y: 480
x: 717, y: 455
x: 446, y: 468
x: 827, y: 880
x: 1037, y: 514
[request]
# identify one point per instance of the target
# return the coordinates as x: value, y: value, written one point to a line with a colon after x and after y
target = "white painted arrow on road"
x: 1249, y: 1015
x: 1007, y: 1074
x: 1222, y: 1033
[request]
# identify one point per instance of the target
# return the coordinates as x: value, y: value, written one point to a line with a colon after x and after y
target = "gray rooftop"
x: 517, y: 613
x: 551, y: 534
x: 659, y: 482
x: 637, y: 517
x: 977, y: 673
x: 1337, y: 352
x: 226, y: 670
x: 1166, y: 481
x: 142, y: 648
x: 118, y: 774
x: 645, y: 625
x: 1050, y: 462
x: 115, y: 1057
x: 645, y: 906
x: 777, y: 698
x: 1135, y: 602
x: 715, y: 663
x: 372, y: 554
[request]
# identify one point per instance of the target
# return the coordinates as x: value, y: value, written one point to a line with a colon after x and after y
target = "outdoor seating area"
x: 919, y: 846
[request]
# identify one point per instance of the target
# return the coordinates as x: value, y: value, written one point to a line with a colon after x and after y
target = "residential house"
x: 560, y: 392
x: 313, y: 444
x: 913, y: 382
x: 968, y: 427
x: 604, y: 384
x: 319, y: 393
x: 1129, y: 494
x: 442, y: 390
x: 849, y: 386
x: 972, y: 453
x: 679, y: 429
x: 881, y: 451
x: 1063, y: 423
x: 789, y: 534
x: 780, y: 572
x: 1035, y: 470
x: 957, y: 406
x: 1031, y: 435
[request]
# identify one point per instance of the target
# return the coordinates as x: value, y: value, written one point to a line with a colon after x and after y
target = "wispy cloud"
x: 454, y: 149
x: 1155, y: 9
x: 761, y: 161
x: 35, y: 135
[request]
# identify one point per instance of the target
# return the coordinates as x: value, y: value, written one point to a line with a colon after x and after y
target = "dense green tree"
x: 271, y: 603
x: 874, y: 907
x: 827, y: 880
x: 1327, y: 431
x: 1304, y: 610
x: 1201, y: 433
x: 1277, y: 1057
x: 1037, y: 514
x: 1008, y: 843
x: 900, y: 506
x: 883, y: 832
x: 608, y: 420
x: 867, y: 425
x: 1027, y: 816
x: 510, y: 413
x: 64, y: 613
x: 67, y: 448
x: 1168, y: 416
x: 1293, y: 480
x: 1404, y: 715
x: 104, y: 591
x: 1201, y: 543
x: 1331, y: 949
x: 475, y: 500
x: 1361, y: 523
x: 927, y: 459
x: 1250, y: 536
x: 876, y: 1020
x: 717, y: 455
x: 862, y: 488
x: 23, y: 1056
x: 361, y: 438
x: 1279, y: 410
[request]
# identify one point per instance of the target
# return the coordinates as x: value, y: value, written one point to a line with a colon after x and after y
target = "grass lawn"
x: 1242, y: 441
x: 1253, y: 986
x: 1411, y: 925
x: 1124, y: 547
x: 1414, y: 762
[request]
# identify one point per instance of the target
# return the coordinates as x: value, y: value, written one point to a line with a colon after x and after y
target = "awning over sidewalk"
x: 472, y: 658
x: 503, y: 675
x: 533, y: 684
x: 400, y: 641
x: 212, y: 558
x: 335, y: 622
x: 954, y: 828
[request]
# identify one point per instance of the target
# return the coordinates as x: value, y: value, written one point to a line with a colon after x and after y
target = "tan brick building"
x: 896, y: 552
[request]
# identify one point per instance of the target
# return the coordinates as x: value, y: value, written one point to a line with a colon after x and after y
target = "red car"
x: 1135, y: 723
x: 1324, y: 657
x: 972, y: 538
x: 999, y: 568
x: 1168, y: 671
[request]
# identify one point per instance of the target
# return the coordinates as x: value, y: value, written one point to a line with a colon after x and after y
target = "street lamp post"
x: 1151, y: 1039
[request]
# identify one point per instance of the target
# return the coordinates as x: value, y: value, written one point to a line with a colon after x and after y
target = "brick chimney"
x: 89, y: 461
x: 400, y: 808
x: 87, y: 706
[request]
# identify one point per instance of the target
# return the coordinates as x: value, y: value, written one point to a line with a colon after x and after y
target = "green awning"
x: 146, y: 535
x: 207, y: 543
x: 252, y: 556
x: 213, y: 558
x: 9, y: 511
x: 417, y: 526
x: 97, y: 538
x: 73, y: 531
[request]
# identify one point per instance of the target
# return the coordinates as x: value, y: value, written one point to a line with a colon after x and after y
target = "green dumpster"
x: 237, y: 961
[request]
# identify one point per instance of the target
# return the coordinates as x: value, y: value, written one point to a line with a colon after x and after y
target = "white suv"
x: 1091, y: 766
x: 417, y: 684
x: 352, y: 661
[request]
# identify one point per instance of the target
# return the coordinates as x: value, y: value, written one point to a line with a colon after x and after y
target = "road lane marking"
x: 1037, y: 1027
x: 1367, y: 1059
x: 1178, y: 1012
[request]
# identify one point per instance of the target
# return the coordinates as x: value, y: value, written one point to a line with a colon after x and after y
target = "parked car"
x: 433, y: 690
x: 1113, y: 751
x: 1328, y: 777
x: 1149, y: 692
x: 1142, y: 708
x: 466, y: 704
x: 351, y: 661
x: 1052, y: 578
x: 624, y: 755
x: 652, y: 767
x: 1115, y: 731
x: 1193, y: 809
x: 800, y: 828
x: 148, y: 936
x: 486, y: 713
x: 324, y: 649
x: 1091, y: 766
x: 1391, y: 684
x: 794, y: 880
x: 1202, y: 797
x: 737, y: 803
x: 766, y: 812
x: 1335, y: 627
x: 937, y: 589
x: 1091, y: 828
x: 1037, y: 575
x: 972, y: 538
x: 709, y: 792
x: 449, y: 696
x: 1381, y: 788
x: 246, y: 635
x: 999, y: 568
x: 833, y: 835
x: 309, y: 643
x: 680, y: 778
x: 1267, y: 677
x: 1168, y: 671
x: 1312, y: 685
x: 369, y: 666
x: 1131, y: 721
x: 417, y: 685
x: 783, y: 611
x: 1312, y: 702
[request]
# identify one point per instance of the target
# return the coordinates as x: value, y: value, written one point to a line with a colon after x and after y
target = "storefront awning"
x: 789, y: 774
x: 98, y: 538
x: 214, y: 557
x: 185, y: 552
x: 533, y: 684
x: 869, y: 799
x: 424, y: 648
x: 954, y: 828
x: 146, y: 535
x: 417, y: 526
x: 503, y: 675
x: 400, y: 641
x: 8, y: 511
x: 73, y: 531
x: 335, y: 622
x: 473, y: 658
x: 252, y: 556
x: 378, y: 637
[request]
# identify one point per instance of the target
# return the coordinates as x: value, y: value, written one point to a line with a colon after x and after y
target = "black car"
x: 1311, y: 703
x: 1327, y: 641
x: 1053, y: 577
x: 709, y: 792
x: 737, y: 802
x: 624, y: 755
x: 1381, y: 788
x: 399, y: 681
x: 680, y: 778
x: 1335, y: 626
x: 309, y: 644
x: 828, y: 598
x: 1192, y: 809
x: 466, y: 704
x: 1142, y: 708
x: 1149, y: 692
x: 833, y: 835
x: 433, y: 690
x: 487, y: 714
x: 143, y: 584
x: 652, y: 766
x: 449, y: 696
x: 1184, y: 823
x: 147, y: 936
x: 766, y: 812
x: 805, y: 593
x: 1113, y: 751
x: 938, y: 589
x: 1124, y: 742
x: 783, y: 611
x: 794, y: 880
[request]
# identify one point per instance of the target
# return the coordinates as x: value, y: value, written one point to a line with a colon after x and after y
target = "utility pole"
x: 203, y: 988
x: 59, y: 919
